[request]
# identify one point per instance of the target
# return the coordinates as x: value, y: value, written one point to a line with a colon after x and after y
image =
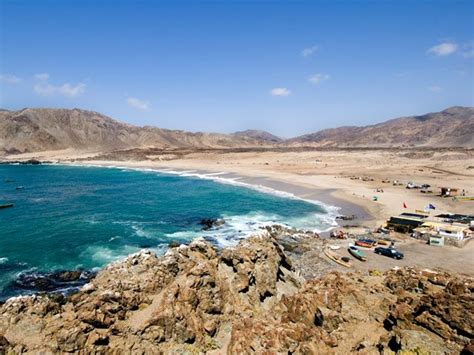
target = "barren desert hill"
x: 42, y: 129
x: 259, y: 135
x: 452, y: 127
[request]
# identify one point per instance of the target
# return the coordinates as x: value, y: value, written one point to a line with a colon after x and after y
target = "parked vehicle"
x: 390, y: 252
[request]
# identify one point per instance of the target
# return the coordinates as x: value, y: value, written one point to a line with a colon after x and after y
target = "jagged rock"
x: 208, y: 223
x: 246, y: 299
x: 51, y: 281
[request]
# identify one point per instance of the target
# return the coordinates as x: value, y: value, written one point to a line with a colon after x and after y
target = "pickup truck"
x: 390, y: 252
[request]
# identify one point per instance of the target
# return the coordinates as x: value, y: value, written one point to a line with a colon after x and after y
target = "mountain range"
x: 33, y: 130
x: 452, y: 127
x: 42, y: 129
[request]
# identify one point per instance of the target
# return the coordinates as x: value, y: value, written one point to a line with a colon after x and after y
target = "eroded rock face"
x: 247, y: 299
x: 184, y: 299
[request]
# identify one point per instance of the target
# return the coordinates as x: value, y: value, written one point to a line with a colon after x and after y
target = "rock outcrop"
x: 242, y: 300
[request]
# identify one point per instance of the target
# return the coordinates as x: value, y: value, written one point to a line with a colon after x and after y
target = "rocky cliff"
x: 242, y: 300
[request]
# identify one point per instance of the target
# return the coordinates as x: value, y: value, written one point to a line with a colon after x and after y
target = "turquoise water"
x: 68, y: 217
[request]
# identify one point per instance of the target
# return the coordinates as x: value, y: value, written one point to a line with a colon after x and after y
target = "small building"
x: 457, y: 218
x: 441, y: 233
x: 428, y: 234
x: 449, y: 192
x: 406, y: 222
x: 455, y: 231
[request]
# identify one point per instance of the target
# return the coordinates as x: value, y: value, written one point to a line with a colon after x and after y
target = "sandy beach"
x: 348, y: 179
x: 345, y: 178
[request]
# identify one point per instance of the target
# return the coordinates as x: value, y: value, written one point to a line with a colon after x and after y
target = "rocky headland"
x: 252, y: 298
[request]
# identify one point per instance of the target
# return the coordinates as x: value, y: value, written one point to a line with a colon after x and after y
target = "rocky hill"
x: 37, y: 130
x: 259, y: 135
x: 453, y: 127
x: 34, y: 130
x: 244, y: 300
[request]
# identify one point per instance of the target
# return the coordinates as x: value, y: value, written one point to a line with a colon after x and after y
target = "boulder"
x: 209, y: 223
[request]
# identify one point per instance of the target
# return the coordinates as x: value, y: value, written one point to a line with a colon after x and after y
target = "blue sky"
x: 290, y: 67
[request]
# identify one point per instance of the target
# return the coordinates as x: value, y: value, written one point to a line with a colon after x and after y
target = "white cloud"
x: 72, y: 90
x: 138, y: 104
x: 280, y: 92
x: 47, y: 89
x: 307, y: 52
x: 443, y: 49
x: 42, y: 76
x: 318, y: 78
x: 435, y: 88
x: 44, y: 89
x: 10, y: 79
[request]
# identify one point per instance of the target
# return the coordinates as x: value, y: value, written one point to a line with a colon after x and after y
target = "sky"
x: 289, y: 67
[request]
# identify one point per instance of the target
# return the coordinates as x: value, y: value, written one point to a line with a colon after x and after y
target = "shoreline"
x: 358, y: 182
x: 271, y: 187
x: 322, y: 196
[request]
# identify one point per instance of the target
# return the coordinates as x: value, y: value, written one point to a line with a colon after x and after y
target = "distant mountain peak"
x: 258, y: 134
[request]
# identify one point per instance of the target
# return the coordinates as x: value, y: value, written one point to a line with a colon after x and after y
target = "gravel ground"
x: 417, y: 253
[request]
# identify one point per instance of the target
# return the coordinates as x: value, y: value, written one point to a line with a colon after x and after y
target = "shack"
x: 453, y: 231
x: 406, y: 222
x: 449, y: 192
x: 457, y: 218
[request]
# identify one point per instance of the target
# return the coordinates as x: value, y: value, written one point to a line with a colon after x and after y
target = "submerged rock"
x: 246, y: 299
x: 61, y: 281
x: 209, y: 223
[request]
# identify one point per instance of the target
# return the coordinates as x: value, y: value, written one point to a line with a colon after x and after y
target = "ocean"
x: 81, y: 218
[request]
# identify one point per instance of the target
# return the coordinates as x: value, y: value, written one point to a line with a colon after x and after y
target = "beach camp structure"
x: 406, y: 222
x: 453, y: 229
x: 449, y: 192
x: 458, y: 218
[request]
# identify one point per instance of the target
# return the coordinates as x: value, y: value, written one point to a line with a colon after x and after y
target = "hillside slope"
x: 453, y: 127
x: 258, y: 134
x: 34, y: 130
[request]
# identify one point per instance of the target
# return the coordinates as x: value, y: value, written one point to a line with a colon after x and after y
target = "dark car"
x: 390, y: 252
